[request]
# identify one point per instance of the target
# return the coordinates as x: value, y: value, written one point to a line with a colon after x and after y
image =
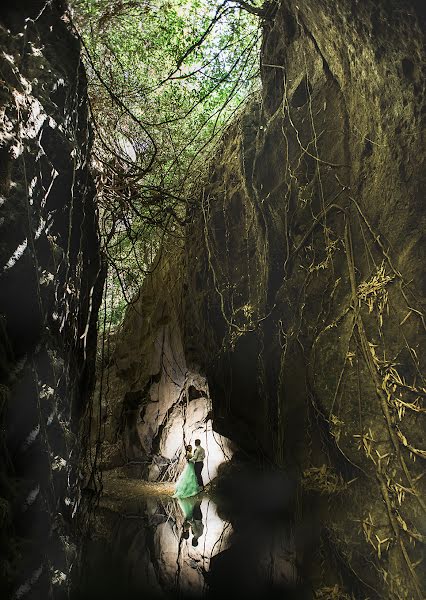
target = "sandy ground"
x: 117, y: 487
x: 126, y: 495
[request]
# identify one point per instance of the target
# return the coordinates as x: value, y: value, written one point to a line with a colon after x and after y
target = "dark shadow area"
x: 270, y: 552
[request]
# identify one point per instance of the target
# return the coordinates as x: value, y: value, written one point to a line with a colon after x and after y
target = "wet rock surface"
x: 305, y: 290
x: 50, y: 286
x: 291, y: 322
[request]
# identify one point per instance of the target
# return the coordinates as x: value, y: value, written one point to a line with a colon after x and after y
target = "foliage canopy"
x: 164, y: 78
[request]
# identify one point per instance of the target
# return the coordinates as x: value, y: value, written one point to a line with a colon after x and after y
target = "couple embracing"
x: 190, y: 481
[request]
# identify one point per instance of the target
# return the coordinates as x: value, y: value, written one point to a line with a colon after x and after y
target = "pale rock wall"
x: 154, y: 402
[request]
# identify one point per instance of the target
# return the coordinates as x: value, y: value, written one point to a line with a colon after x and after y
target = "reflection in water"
x: 259, y: 562
x: 191, y: 510
x: 202, y: 535
x: 159, y: 547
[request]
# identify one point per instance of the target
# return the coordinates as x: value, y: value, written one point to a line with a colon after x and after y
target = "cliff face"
x: 298, y: 296
x: 154, y: 401
x: 50, y: 289
x: 304, y: 275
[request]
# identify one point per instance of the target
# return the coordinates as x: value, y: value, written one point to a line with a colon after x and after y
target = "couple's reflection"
x: 193, y: 519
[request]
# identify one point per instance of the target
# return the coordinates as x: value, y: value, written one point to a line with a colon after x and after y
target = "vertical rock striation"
x: 305, y: 283
x: 50, y: 287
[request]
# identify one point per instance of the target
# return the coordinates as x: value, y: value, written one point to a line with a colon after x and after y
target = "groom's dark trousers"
x: 198, y: 467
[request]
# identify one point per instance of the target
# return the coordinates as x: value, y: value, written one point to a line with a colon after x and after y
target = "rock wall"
x: 154, y: 402
x: 50, y: 288
x: 305, y: 290
x: 299, y: 295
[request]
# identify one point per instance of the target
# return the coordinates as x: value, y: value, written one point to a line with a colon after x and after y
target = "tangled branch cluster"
x: 164, y: 79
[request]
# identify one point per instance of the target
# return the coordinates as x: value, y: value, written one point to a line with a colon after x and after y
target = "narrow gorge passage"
x: 212, y: 227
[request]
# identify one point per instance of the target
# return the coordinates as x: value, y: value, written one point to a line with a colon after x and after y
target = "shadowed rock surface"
x: 50, y: 287
x: 154, y: 401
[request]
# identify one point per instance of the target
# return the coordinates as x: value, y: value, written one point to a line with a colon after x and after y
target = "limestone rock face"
x: 50, y: 288
x: 154, y: 401
x: 305, y: 284
x: 298, y: 295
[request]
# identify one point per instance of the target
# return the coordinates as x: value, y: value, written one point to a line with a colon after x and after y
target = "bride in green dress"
x: 187, y: 484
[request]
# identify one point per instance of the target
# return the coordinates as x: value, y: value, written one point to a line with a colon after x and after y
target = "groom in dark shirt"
x: 197, y: 526
x: 198, y: 460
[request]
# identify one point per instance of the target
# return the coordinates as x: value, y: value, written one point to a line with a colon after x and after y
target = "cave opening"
x: 212, y: 299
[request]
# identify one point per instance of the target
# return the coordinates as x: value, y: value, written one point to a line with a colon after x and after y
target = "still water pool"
x: 145, y: 544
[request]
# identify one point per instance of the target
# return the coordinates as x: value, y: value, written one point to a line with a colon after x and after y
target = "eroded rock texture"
x: 305, y: 282
x: 49, y: 292
x: 154, y: 401
x: 300, y: 295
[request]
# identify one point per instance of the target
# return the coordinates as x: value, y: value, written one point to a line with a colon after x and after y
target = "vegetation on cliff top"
x: 165, y: 77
